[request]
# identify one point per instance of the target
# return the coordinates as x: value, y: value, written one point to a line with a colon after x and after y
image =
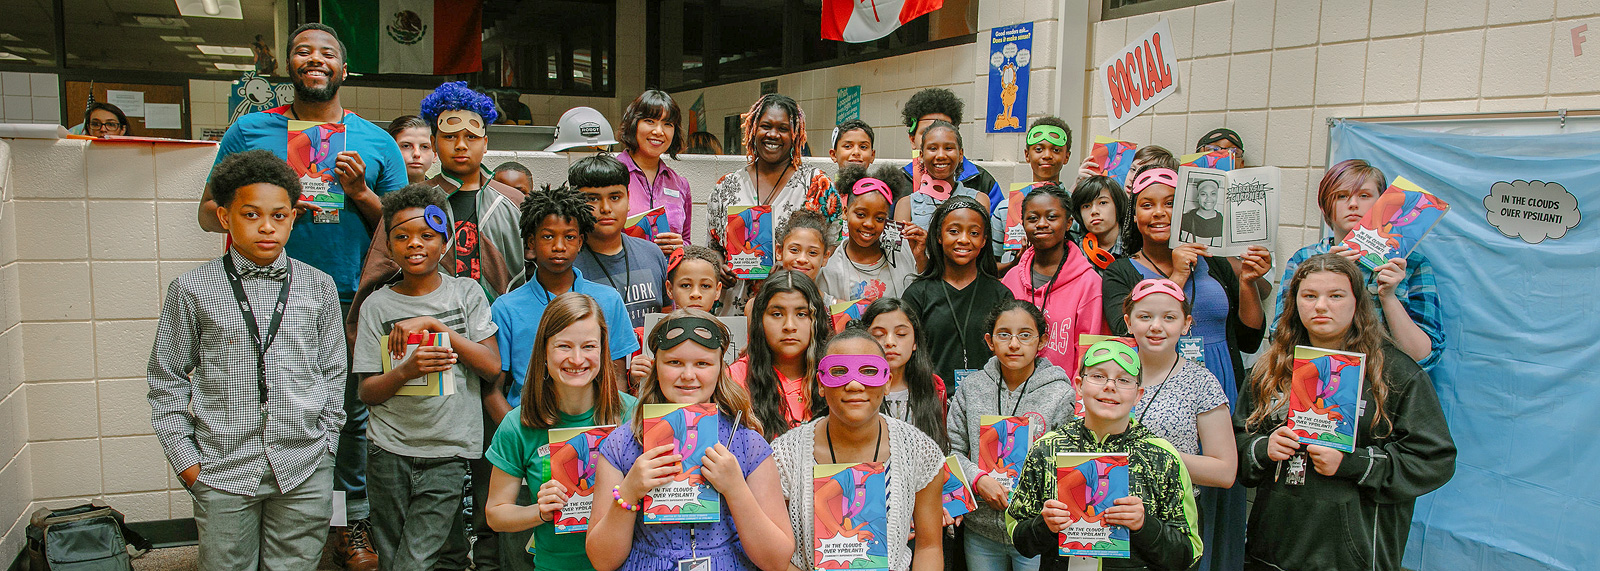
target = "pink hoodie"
x: 1071, y: 304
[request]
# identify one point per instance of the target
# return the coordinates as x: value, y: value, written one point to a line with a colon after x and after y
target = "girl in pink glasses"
x: 832, y: 504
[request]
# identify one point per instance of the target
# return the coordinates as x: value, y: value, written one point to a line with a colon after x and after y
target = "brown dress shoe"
x: 353, y: 546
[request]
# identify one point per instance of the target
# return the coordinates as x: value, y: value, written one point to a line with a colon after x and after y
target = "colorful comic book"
x: 957, y: 496
x: 846, y: 311
x: 1016, y: 234
x: 1220, y: 160
x: 1395, y: 225
x: 573, y: 454
x: 1090, y: 483
x: 749, y: 241
x: 850, y: 507
x: 1114, y: 157
x: 691, y: 429
x: 1226, y: 211
x: 1003, y: 443
x: 645, y: 225
x: 436, y: 384
x: 313, y: 149
x: 1325, y: 396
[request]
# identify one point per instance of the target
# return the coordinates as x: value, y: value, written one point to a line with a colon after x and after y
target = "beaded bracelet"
x: 616, y: 494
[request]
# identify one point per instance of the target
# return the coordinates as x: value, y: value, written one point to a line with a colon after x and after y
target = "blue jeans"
x: 984, y: 554
x: 416, y: 500
x: 350, y: 464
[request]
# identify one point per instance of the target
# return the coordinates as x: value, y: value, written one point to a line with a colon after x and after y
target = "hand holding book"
x: 655, y: 467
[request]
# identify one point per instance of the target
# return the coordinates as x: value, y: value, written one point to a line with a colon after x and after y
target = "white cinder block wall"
x: 1276, y: 70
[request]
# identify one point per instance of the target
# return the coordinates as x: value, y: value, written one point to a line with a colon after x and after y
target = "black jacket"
x: 1118, y: 280
x: 1169, y: 540
x: 1359, y: 517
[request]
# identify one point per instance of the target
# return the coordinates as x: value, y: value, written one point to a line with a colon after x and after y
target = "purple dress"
x: 659, y: 547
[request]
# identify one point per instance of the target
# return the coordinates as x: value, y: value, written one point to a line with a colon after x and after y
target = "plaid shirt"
x: 1418, y: 292
x: 204, y: 396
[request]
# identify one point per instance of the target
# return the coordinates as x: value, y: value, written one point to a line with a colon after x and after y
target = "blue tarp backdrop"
x: 1519, y: 281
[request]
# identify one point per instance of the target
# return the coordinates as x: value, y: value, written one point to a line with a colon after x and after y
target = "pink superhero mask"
x: 835, y: 371
x: 869, y: 184
x: 1151, y: 286
x: 1154, y: 176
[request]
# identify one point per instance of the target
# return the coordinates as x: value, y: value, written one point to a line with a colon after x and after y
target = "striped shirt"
x: 1418, y: 292
x: 205, y: 402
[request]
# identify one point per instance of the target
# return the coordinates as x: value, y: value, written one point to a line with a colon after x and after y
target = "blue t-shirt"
x: 517, y: 314
x: 638, y: 272
x: 336, y: 249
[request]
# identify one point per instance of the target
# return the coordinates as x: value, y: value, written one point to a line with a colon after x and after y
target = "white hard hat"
x: 582, y: 127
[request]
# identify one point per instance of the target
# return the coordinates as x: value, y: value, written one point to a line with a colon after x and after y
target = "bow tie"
x: 266, y: 273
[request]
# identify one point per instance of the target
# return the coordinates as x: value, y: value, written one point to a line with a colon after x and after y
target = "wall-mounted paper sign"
x: 1139, y: 75
x: 130, y: 102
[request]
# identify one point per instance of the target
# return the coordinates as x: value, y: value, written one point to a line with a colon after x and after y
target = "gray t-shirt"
x: 434, y: 426
x: 639, y: 272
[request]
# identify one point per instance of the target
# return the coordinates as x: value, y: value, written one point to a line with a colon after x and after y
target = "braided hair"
x: 797, y: 124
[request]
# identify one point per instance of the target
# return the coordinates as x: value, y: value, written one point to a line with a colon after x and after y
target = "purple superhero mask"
x: 835, y: 371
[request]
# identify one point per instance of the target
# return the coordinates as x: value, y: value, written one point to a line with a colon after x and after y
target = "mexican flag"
x: 428, y: 37
x: 858, y: 21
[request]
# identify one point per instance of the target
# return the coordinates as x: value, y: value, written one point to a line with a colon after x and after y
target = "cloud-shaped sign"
x: 1531, y: 210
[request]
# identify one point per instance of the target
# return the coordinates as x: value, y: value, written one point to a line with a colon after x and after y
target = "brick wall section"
x: 15, y: 469
x: 1276, y: 70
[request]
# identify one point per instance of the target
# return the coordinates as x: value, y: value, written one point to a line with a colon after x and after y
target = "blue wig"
x: 455, y: 95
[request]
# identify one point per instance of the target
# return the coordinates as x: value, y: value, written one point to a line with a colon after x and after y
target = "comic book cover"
x: 1090, y: 483
x: 645, y: 225
x: 1227, y: 211
x: 1324, y: 396
x: 572, y: 458
x: 1016, y: 234
x: 1219, y: 160
x: 435, y: 384
x: 691, y: 429
x: 851, y: 515
x: 846, y: 311
x: 1114, y: 157
x: 1003, y: 443
x: 313, y: 149
x: 1394, y: 225
x: 749, y: 241
x: 957, y: 495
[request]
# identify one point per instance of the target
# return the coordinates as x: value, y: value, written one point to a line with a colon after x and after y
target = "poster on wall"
x: 251, y: 93
x: 1139, y: 75
x: 1010, y: 52
x: 847, y: 105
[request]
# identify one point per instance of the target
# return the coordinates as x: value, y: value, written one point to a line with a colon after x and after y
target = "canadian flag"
x: 857, y: 21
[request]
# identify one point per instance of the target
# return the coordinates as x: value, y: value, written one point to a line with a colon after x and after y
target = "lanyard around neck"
x: 258, y: 342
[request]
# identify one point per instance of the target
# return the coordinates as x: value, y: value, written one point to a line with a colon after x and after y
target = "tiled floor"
x: 183, y: 559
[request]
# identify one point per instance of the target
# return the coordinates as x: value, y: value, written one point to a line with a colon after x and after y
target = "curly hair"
x: 806, y: 219
x: 561, y: 201
x: 419, y: 195
x: 455, y: 95
x: 929, y: 101
x: 251, y: 167
x: 709, y: 256
x: 797, y: 125
x: 652, y: 104
x: 849, y: 175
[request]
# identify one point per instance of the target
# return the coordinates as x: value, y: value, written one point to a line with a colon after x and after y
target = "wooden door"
x: 77, y: 96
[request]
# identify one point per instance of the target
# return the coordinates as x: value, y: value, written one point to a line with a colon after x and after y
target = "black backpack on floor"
x: 90, y: 537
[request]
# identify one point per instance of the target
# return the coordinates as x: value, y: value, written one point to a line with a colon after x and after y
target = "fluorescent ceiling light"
x: 26, y: 50
x: 10, y: 38
x: 184, y: 39
x: 234, y: 66
x: 157, y: 22
x: 8, y: 56
x: 211, y: 9
x: 226, y: 51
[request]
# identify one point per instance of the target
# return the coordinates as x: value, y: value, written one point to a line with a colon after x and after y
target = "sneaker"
x: 353, y: 546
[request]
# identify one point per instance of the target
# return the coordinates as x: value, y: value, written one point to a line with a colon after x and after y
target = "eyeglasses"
x: 1235, y: 151
x: 1024, y: 337
x: 98, y: 126
x: 1099, y: 380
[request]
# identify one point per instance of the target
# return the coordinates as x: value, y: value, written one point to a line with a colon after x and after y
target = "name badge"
x: 1192, y: 347
x: 672, y: 192
x: 961, y: 377
x: 695, y: 564
x: 327, y: 216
